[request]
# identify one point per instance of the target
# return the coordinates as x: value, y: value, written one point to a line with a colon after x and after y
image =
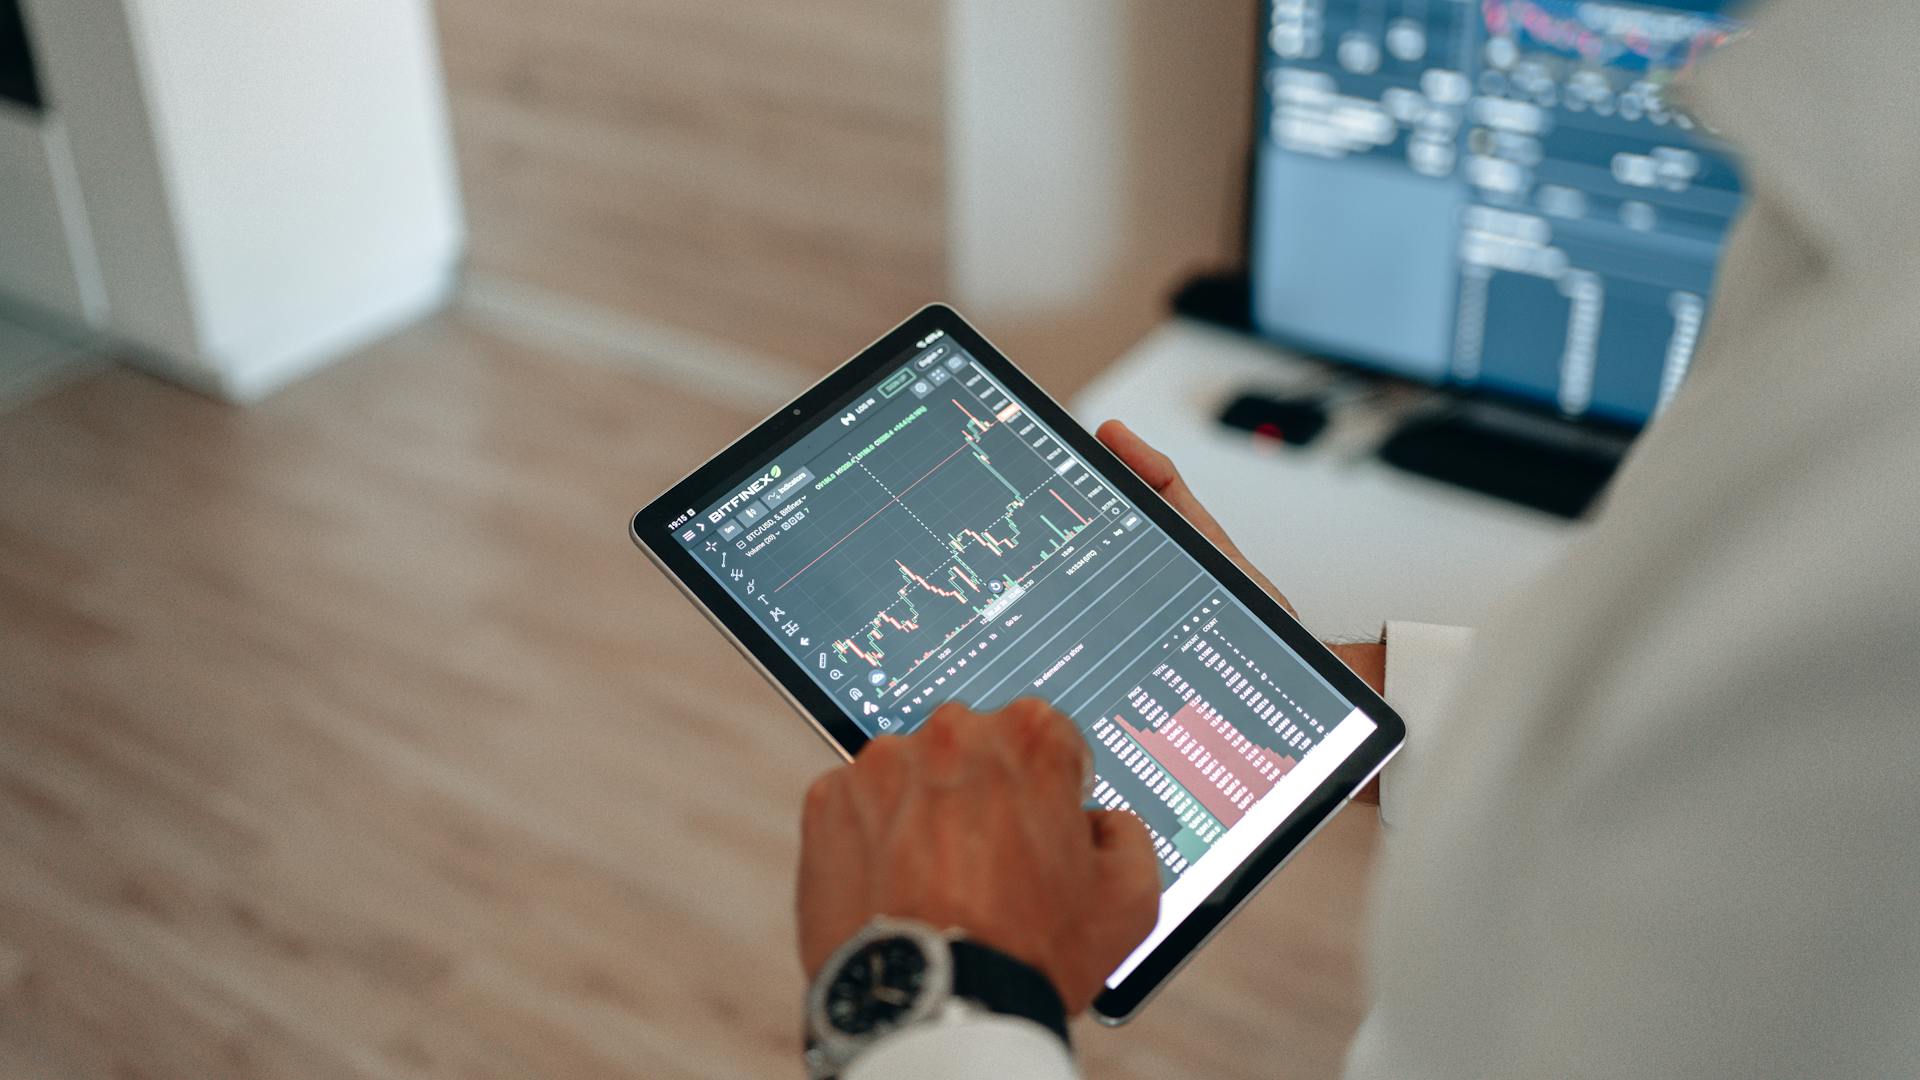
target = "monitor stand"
x: 1531, y: 458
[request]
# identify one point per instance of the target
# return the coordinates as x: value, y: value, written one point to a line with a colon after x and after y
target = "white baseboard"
x: 706, y: 368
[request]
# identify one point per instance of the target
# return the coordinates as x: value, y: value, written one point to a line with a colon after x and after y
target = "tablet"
x: 926, y: 525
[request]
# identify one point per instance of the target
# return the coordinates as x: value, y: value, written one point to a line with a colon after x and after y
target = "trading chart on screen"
x: 1500, y: 194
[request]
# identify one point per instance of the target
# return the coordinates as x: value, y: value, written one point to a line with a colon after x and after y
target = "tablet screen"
x: 933, y: 541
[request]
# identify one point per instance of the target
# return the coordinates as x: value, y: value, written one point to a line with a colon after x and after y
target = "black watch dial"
x: 877, y: 986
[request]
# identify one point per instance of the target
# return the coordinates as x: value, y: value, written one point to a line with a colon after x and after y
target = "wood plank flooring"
x: 348, y: 737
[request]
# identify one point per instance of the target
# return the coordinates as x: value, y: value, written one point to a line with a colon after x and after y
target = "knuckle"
x: 1060, y: 731
x: 1126, y: 828
x: 1165, y: 472
x: 1021, y: 706
x: 1048, y: 744
x: 1032, y: 714
x: 1049, y: 730
x: 946, y: 718
x: 939, y: 738
x: 1022, y: 718
x: 950, y: 730
x: 882, y: 751
x: 820, y: 793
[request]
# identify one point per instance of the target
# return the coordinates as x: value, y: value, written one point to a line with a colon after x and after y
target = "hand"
x: 1367, y: 659
x: 974, y: 822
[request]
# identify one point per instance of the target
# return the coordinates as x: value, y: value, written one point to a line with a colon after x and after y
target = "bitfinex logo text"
x: 746, y: 493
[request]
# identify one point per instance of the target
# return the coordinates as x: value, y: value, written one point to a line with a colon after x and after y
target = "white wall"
x: 1094, y: 146
x: 1035, y: 166
x: 270, y: 182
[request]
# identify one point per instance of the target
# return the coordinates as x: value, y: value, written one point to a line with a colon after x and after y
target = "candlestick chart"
x: 943, y: 522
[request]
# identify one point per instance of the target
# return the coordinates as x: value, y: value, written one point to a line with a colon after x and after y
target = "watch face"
x: 877, y: 985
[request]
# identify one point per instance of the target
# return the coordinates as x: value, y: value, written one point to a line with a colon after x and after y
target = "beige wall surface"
x: 789, y: 177
x: 766, y: 174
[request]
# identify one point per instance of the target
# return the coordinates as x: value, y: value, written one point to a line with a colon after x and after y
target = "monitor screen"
x: 1496, y: 195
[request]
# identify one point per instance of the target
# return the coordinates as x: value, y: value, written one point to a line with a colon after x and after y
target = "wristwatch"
x: 895, y: 973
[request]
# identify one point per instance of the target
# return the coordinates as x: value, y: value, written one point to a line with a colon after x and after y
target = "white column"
x: 267, y: 184
x: 1090, y: 141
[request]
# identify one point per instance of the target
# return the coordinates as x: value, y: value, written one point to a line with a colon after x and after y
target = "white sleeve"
x: 1423, y: 663
x: 989, y: 1047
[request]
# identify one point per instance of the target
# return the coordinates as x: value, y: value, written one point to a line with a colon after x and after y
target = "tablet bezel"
x: 653, y: 526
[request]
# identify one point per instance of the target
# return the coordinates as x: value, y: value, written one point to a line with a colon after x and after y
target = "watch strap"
x: 1002, y: 984
x: 984, y: 978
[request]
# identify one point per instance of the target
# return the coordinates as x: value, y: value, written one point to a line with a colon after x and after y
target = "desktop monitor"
x: 1495, y: 196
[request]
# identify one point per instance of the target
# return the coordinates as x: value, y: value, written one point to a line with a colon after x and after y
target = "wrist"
x: 896, y: 974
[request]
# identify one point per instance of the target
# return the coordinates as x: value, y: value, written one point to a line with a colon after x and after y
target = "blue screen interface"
x: 1504, y: 195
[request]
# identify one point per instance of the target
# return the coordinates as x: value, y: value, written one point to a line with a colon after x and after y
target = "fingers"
x: 1125, y: 849
x: 882, y: 772
x: 824, y: 796
x: 827, y: 897
x: 944, y: 744
x: 1117, y: 830
x: 976, y: 821
x: 944, y: 726
x: 1129, y: 871
x: 1159, y: 472
x: 1151, y: 465
x: 1050, y: 748
x: 1028, y: 739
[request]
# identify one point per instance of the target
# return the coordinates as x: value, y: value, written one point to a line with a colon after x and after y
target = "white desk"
x: 1352, y: 542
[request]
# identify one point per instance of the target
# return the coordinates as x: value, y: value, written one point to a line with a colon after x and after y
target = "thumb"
x: 1158, y: 470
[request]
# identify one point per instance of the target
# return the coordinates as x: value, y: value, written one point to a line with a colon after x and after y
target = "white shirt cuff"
x: 985, y: 1047
x: 1423, y: 663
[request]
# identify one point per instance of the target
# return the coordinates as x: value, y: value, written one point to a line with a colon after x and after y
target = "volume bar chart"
x: 1128, y: 776
x: 1203, y: 735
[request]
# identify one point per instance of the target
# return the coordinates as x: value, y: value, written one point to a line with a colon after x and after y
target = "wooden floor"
x: 347, y: 736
